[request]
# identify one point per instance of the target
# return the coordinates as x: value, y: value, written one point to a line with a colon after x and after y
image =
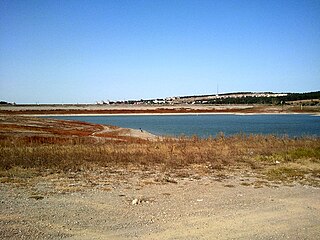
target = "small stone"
x: 135, y: 201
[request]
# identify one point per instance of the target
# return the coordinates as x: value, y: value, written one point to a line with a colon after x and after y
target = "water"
x: 293, y: 125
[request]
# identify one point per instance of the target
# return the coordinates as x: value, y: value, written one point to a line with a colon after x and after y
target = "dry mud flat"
x: 188, y: 209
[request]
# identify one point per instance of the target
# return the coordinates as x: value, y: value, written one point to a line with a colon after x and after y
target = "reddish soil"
x: 39, y: 130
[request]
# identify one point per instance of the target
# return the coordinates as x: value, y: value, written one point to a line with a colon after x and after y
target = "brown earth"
x: 152, y: 109
x: 207, y: 208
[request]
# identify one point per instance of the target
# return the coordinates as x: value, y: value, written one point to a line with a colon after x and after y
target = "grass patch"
x: 304, y: 153
x: 285, y: 174
x: 278, y: 158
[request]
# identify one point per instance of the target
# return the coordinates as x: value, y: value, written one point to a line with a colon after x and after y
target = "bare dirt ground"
x: 57, y: 109
x: 207, y: 208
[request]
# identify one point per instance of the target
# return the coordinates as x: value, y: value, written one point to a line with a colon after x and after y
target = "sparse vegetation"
x: 278, y: 159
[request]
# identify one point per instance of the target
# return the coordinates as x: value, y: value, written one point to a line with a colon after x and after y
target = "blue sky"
x: 82, y: 51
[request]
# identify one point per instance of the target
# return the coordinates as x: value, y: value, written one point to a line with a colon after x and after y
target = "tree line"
x: 269, y: 100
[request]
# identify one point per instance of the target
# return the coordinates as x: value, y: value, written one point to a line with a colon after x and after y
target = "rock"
x: 135, y: 201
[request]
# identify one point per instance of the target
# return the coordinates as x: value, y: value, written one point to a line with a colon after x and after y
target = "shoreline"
x: 166, y: 114
x: 156, y: 110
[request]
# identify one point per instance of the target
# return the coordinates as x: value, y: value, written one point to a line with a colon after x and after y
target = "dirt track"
x: 190, y: 209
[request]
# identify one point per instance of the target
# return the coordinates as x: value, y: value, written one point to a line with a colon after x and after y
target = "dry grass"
x: 279, y: 159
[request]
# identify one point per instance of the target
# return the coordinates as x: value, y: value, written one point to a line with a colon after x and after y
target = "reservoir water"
x: 293, y: 125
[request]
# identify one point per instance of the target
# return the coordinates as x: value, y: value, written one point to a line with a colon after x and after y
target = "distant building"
x: 102, y: 102
x: 159, y: 101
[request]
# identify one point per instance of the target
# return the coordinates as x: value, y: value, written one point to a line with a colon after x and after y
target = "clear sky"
x: 76, y: 51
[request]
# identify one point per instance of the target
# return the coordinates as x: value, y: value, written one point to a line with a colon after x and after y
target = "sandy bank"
x: 169, y: 114
x: 119, y: 110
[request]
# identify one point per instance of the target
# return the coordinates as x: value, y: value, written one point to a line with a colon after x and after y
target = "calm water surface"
x: 293, y: 125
